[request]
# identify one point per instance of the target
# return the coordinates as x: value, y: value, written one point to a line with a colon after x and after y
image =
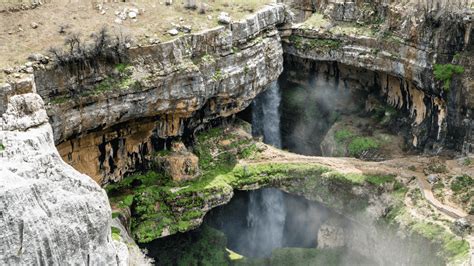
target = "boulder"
x: 179, y: 164
x: 224, y: 18
x: 173, y: 32
x: 433, y: 178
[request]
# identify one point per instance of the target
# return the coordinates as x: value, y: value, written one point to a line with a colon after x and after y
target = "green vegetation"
x: 445, y: 73
x: 121, y: 68
x: 204, y: 246
x: 109, y: 84
x: 115, y: 233
x: 343, y: 135
x: 2, y: 147
x: 457, y: 56
x: 361, y: 144
x: 453, y: 248
x: 317, y: 20
x: 217, y: 75
x: 115, y: 215
x: 207, y: 58
x: 162, y: 205
x: 461, y: 183
x: 380, y: 179
x: 306, y: 256
x: 436, y: 167
x: 384, y: 114
x: 467, y: 161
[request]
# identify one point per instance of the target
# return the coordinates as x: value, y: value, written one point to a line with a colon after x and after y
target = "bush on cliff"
x: 445, y: 73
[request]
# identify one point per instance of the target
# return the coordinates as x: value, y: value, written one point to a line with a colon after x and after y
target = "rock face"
x: 50, y: 213
x: 331, y: 235
x: 179, y: 164
x: 166, y: 90
x: 403, y: 47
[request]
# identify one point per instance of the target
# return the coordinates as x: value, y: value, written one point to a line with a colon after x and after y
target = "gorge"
x: 299, y: 132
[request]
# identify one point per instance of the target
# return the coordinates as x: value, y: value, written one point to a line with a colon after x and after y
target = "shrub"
x: 2, y: 147
x: 103, y: 46
x: 462, y: 182
x: 342, y: 135
x: 445, y: 73
x: 361, y: 144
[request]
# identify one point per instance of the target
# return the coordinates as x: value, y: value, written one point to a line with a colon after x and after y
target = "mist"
x: 255, y: 227
x: 308, y: 110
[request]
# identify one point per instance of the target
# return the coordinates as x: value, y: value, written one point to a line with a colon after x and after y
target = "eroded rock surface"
x: 50, y: 213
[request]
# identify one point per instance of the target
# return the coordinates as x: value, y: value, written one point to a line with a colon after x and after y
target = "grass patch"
x: 317, y: 20
x: 361, y: 144
x: 380, y: 179
x: 445, y: 73
x: 342, y: 135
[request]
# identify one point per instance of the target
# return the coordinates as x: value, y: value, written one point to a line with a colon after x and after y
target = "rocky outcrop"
x: 162, y: 91
x: 51, y: 214
x: 221, y: 69
x: 403, y: 46
x: 179, y: 164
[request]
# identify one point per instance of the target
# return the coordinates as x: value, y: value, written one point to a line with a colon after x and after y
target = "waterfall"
x: 266, y: 212
x: 266, y: 115
x: 265, y: 222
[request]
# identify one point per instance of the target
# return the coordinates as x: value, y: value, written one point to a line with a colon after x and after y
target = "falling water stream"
x: 266, y: 212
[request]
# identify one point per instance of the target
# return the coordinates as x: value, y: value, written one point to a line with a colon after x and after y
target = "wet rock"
x: 331, y: 235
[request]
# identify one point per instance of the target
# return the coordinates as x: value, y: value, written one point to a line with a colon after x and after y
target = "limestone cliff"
x: 50, y: 213
x: 403, y: 43
x: 168, y: 89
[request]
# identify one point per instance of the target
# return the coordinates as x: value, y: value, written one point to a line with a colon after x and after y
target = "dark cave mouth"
x: 334, y: 110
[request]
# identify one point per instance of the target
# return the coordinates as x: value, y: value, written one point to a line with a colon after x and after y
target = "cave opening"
x: 263, y: 226
x: 335, y: 110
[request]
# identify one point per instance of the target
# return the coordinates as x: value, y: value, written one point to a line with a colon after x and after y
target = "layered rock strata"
x: 169, y: 89
x: 403, y: 46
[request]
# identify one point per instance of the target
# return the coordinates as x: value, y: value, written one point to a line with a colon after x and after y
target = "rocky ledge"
x: 110, y: 114
x: 368, y: 193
